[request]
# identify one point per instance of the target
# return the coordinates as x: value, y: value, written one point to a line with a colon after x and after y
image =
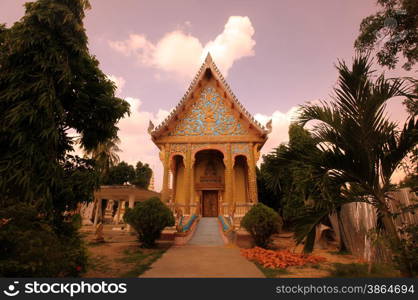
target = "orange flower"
x: 279, y: 259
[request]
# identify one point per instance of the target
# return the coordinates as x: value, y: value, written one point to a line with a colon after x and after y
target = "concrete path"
x: 205, y: 255
x: 207, y: 233
x: 202, y: 261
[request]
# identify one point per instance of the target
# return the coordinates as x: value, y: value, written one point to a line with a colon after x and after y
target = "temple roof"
x: 208, y: 64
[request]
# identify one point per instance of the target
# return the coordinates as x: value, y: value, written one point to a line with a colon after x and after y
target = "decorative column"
x: 116, y: 218
x: 121, y: 210
x: 165, y: 158
x: 173, y: 179
x: 252, y: 175
x: 98, y: 210
x: 131, y: 204
x: 187, y: 178
x: 228, y: 175
x: 192, y: 196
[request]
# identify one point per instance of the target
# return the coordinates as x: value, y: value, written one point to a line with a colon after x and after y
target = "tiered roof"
x: 208, y: 64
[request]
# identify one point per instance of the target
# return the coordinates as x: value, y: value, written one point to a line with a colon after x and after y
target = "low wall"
x: 239, y: 237
x: 243, y: 239
x: 181, y: 238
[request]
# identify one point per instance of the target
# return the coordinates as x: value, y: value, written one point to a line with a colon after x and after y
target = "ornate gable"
x: 209, y: 116
x: 209, y: 109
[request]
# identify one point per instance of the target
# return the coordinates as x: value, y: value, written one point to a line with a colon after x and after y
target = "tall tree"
x: 143, y: 174
x: 122, y: 173
x: 105, y: 155
x: 395, y: 28
x: 360, y: 147
x: 49, y: 84
x: 290, y: 180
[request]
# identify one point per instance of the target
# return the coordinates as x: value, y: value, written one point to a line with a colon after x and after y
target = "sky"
x: 275, y: 55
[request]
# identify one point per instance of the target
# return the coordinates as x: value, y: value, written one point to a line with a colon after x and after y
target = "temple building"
x: 209, y: 146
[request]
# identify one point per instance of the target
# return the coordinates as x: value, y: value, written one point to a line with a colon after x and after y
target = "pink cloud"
x: 181, y: 54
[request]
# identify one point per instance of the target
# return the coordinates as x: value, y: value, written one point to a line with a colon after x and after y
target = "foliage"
x: 261, y: 222
x: 49, y: 84
x: 286, y: 176
x: 362, y: 270
x: 51, y: 89
x: 32, y: 247
x: 120, y: 174
x: 396, y: 28
x: 360, y: 148
x: 297, y: 185
x: 141, y: 261
x: 268, y: 197
x: 143, y: 174
x: 412, y: 104
x: 149, y: 218
x: 105, y: 155
x: 125, y: 173
x: 272, y: 273
x: 411, y: 170
x: 408, y: 247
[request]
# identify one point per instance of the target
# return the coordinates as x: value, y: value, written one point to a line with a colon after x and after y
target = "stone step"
x: 207, y: 233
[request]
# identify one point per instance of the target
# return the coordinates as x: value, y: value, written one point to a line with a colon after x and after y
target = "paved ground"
x: 205, y: 255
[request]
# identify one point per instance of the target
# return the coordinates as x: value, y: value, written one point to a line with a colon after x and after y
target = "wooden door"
x: 210, y: 203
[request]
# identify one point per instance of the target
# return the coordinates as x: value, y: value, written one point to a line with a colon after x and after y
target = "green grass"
x: 140, y: 260
x: 98, y: 263
x: 94, y: 244
x: 356, y: 270
x: 271, y: 273
x: 341, y: 252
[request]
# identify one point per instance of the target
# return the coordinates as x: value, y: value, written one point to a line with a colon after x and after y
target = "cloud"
x: 136, y: 143
x: 180, y: 54
x: 119, y: 82
x: 280, y: 123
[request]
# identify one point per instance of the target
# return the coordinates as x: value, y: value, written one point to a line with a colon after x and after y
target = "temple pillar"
x: 173, y: 179
x: 229, y: 194
x: 252, y: 175
x: 187, y: 178
x: 165, y: 158
x: 131, y: 204
x: 192, y: 196
x: 98, y: 210
x: 121, y: 210
x: 116, y: 218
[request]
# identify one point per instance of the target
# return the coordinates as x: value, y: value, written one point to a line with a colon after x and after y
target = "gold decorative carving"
x: 209, y: 115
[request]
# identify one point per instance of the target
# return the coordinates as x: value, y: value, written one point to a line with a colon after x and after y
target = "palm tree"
x: 105, y: 155
x: 360, y: 147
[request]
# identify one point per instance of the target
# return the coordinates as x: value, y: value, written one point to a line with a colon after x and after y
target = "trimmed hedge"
x: 149, y: 218
x: 262, y: 222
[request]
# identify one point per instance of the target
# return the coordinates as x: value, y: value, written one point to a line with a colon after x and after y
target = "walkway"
x: 205, y: 255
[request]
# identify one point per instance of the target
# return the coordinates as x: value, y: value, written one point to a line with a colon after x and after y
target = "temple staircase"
x: 207, y: 233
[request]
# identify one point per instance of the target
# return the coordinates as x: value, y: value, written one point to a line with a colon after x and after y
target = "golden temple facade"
x: 209, y: 146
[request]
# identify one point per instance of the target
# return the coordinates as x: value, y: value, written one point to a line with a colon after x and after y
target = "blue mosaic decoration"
x: 209, y: 116
x: 239, y: 148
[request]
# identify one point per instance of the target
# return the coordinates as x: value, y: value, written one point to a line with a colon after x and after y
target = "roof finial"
x: 208, y: 58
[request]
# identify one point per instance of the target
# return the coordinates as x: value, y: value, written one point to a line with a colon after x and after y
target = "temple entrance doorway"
x: 210, y: 204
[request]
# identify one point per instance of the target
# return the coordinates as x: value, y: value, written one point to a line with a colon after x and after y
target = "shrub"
x: 149, y: 218
x: 261, y: 222
x: 408, y: 247
x: 32, y: 247
x: 359, y: 270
